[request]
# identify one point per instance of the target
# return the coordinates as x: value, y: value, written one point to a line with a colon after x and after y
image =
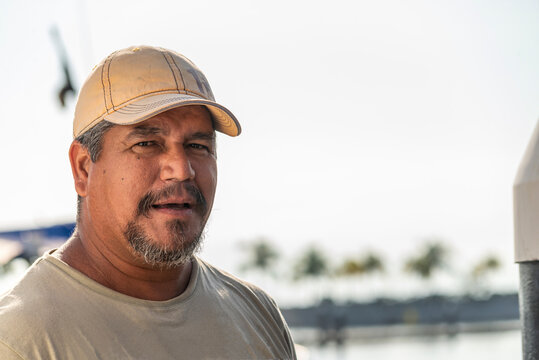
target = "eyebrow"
x: 203, y: 136
x: 144, y: 130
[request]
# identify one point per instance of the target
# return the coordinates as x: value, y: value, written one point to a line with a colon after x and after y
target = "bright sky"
x: 366, y: 124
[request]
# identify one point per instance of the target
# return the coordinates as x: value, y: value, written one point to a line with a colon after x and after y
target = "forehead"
x: 190, y: 118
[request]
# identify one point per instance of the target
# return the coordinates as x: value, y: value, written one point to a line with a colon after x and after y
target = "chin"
x: 178, y: 250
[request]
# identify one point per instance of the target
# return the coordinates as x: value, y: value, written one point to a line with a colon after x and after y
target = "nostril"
x: 177, y: 166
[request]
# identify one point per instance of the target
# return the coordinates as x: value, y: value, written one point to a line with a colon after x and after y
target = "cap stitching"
x: 171, y: 70
x: 220, y: 125
x: 91, y: 124
x: 186, y: 92
x: 106, y: 64
x: 108, y: 77
x: 179, y: 71
x: 103, y: 83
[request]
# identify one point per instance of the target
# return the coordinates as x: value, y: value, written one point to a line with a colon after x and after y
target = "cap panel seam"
x: 90, y: 124
x: 108, y: 77
x: 103, y: 85
x: 105, y: 78
x: 179, y: 70
x: 166, y: 56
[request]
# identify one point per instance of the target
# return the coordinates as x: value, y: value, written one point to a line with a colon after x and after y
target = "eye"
x: 145, y: 143
x: 199, y: 147
x: 146, y: 147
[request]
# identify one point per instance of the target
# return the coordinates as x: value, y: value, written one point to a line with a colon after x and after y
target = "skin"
x: 176, y: 147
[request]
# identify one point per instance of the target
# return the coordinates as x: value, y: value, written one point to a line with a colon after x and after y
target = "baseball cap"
x: 133, y: 84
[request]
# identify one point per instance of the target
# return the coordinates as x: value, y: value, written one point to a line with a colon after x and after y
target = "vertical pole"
x: 526, y: 220
x: 529, y: 309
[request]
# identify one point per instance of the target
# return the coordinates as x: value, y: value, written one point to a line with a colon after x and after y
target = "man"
x: 127, y: 285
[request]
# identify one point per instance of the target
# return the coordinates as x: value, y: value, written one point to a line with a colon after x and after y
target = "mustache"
x: 176, y: 189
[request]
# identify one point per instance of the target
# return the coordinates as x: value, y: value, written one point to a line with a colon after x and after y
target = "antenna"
x: 68, y: 84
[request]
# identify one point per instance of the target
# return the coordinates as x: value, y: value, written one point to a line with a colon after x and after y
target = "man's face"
x: 152, y: 188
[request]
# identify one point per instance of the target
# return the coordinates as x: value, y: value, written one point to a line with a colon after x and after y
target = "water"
x: 479, y: 346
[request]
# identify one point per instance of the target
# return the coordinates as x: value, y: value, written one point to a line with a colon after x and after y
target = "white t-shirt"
x: 56, y: 312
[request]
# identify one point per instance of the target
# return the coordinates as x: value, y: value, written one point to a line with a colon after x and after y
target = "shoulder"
x: 215, y: 274
x: 248, y: 302
x: 29, y: 308
x: 27, y: 293
x: 218, y: 279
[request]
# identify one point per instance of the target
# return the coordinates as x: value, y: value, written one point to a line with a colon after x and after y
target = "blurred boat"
x: 29, y: 244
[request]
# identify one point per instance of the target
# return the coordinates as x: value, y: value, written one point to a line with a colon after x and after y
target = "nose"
x: 176, y: 166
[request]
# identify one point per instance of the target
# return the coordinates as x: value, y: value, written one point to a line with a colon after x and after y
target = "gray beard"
x: 180, y: 253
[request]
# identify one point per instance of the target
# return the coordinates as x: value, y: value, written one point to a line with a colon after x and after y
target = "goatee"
x: 179, y: 252
x: 182, y: 243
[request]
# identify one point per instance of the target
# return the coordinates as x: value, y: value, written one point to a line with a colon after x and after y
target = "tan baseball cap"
x: 134, y: 84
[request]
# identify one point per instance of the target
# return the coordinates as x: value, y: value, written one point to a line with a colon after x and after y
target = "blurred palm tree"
x: 350, y: 267
x: 372, y: 263
x: 432, y: 257
x: 478, y: 280
x: 312, y: 264
x: 262, y: 255
x: 485, y: 266
x: 367, y: 264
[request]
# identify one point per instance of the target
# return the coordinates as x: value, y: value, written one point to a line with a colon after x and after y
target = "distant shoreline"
x: 427, y: 316
x: 310, y: 335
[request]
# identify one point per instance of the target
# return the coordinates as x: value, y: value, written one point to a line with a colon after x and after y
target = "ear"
x: 80, y: 167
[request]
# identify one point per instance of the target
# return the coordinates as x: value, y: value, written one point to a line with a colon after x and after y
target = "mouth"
x: 174, y: 200
x: 172, y: 206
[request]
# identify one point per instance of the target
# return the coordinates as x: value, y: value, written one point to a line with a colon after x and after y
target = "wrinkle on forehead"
x: 160, y: 124
x: 145, y: 130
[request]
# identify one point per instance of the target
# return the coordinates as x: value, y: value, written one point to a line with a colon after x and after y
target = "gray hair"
x: 92, y: 140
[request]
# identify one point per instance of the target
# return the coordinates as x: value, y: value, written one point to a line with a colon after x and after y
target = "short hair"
x: 92, y: 140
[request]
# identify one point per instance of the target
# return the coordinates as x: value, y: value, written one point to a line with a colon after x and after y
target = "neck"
x: 125, y: 274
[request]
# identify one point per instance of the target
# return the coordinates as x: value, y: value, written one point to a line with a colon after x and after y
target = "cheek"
x: 207, y: 180
x: 134, y: 180
x: 120, y: 186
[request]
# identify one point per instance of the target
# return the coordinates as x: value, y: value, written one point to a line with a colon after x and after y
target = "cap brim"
x: 144, y: 108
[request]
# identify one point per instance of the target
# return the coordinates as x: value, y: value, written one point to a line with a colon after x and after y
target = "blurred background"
x: 370, y: 192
